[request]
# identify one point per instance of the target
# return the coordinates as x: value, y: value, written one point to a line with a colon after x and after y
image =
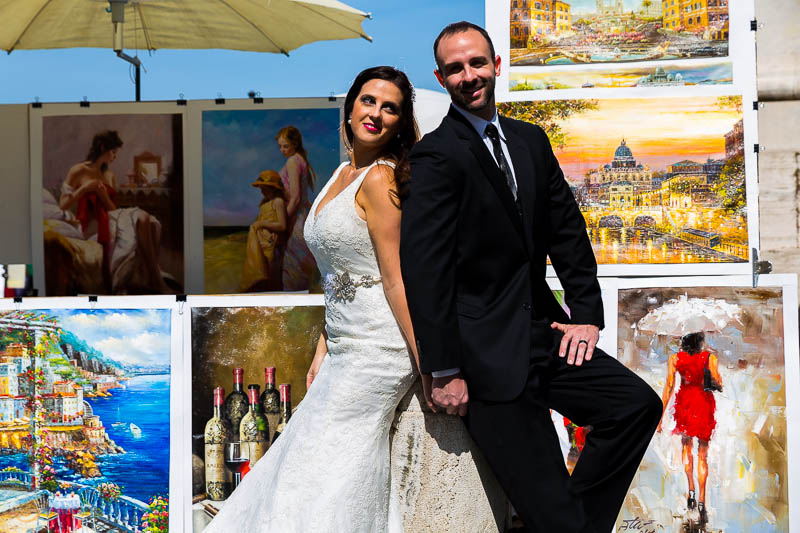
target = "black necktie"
x: 494, y: 136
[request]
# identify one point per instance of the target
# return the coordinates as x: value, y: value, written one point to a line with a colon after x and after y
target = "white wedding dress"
x: 329, y: 470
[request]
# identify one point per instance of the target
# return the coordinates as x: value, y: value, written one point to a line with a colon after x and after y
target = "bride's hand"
x: 427, y: 387
x: 319, y: 356
x: 314, y: 369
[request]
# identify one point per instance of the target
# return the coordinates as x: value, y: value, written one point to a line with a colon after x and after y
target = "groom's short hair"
x: 460, y: 27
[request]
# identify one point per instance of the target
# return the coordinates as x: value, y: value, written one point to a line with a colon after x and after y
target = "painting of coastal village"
x: 557, y: 32
x: 84, y: 420
x: 658, y: 181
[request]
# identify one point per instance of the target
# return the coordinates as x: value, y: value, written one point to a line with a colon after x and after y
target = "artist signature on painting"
x: 637, y: 524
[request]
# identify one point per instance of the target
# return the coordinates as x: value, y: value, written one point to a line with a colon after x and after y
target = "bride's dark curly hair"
x: 398, y: 147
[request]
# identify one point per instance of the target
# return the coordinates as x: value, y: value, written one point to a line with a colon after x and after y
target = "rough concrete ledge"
x: 438, y: 474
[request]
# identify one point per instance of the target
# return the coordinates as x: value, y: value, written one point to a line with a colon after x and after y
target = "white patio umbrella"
x: 254, y: 25
x: 277, y: 26
x: 679, y: 317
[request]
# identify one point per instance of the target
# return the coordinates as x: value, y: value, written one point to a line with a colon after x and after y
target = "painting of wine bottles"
x: 249, y: 368
x: 85, y: 417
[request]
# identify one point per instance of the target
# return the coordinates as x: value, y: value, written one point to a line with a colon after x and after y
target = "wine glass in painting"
x: 235, y: 462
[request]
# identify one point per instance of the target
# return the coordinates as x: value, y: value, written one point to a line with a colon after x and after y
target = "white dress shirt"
x: 480, y: 126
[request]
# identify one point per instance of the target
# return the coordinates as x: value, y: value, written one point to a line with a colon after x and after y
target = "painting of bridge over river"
x: 659, y: 181
x: 567, y: 32
x: 84, y: 419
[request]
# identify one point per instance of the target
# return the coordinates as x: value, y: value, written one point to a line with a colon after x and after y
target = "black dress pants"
x: 519, y: 440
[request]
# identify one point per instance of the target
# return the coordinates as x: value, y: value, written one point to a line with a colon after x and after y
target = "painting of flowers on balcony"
x: 84, y: 417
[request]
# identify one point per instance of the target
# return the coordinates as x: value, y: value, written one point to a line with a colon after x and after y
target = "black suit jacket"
x: 474, y: 268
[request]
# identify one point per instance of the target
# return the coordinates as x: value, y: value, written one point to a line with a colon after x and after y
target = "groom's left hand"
x: 450, y: 393
x: 578, y: 342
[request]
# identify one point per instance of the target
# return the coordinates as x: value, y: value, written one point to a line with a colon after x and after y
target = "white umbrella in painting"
x: 684, y: 315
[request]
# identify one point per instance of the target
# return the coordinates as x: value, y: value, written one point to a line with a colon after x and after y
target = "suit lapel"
x: 524, y: 172
x: 490, y: 169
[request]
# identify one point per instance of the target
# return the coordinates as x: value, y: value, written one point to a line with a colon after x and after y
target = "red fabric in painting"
x: 90, y: 206
x: 694, y: 407
x: 579, y: 434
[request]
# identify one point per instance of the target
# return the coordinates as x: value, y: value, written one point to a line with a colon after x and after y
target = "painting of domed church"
x: 659, y: 181
x: 560, y: 32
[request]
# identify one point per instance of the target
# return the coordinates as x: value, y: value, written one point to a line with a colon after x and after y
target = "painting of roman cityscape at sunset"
x: 658, y: 180
x: 557, y: 32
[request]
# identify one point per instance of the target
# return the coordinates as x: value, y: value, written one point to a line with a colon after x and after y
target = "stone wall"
x: 778, y: 74
x: 441, y: 480
x: 779, y: 184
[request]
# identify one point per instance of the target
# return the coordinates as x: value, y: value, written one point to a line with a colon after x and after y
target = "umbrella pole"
x: 138, y: 64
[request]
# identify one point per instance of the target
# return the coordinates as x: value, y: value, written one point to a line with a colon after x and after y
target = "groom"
x: 488, y: 204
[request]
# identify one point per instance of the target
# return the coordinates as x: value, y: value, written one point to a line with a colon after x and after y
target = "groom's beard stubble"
x: 474, y: 106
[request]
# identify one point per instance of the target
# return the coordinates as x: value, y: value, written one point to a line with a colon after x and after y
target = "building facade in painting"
x: 62, y: 399
x: 94, y: 430
x: 623, y: 168
x: 628, y: 184
x: 551, y: 18
x: 609, y: 8
x: 660, y: 78
x: 734, y: 141
x: 708, y: 17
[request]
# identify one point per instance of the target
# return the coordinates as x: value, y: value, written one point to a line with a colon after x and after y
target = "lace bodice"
x: 339, y: 239
x: 337, y: 236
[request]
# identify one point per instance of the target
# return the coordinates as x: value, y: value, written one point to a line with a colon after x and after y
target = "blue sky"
x: 403, y: 33
x: 134, y: 337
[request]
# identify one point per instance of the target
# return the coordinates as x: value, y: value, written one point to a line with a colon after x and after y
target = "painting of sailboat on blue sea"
x: 84, y: 419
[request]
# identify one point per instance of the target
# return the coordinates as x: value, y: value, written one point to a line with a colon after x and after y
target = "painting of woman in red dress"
x: 693, y: 410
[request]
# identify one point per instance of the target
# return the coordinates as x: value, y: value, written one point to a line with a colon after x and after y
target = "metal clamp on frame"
x: 181, y: 299
x: 759, y: 267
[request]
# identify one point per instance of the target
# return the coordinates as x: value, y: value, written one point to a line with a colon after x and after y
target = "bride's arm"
x: 383, y: 222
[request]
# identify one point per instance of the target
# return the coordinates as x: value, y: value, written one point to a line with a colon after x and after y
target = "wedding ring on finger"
x: 583, y: 341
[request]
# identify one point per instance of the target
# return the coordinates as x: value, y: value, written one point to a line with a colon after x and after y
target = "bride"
x: 329, y: 471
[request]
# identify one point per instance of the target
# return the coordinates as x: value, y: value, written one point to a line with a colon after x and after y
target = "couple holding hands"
x: 433, y: 256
